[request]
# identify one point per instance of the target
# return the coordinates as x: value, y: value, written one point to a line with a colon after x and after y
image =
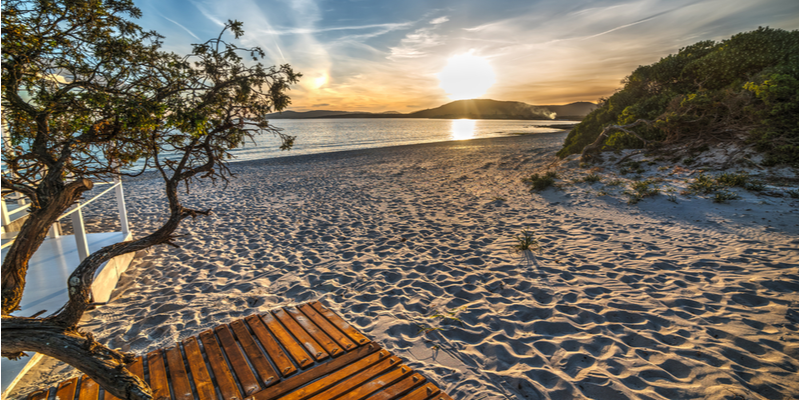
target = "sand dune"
x: 413, y: 245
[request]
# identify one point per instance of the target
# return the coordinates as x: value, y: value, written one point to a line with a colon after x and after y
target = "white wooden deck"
x: 46, y: 285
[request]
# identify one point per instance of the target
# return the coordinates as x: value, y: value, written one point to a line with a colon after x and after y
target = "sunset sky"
x: 370, y: 55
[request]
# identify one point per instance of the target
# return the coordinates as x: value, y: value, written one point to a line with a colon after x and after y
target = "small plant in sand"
x: 541, y: 182
x: 426, y: 328
x: 615, y: 182
x: 640, y: 190
x: 702, y: 184
x: 526, y: 241
x: 671, y: 195
x: 499, y: 199
x: 723, y: 196
x: 592, y: 178
x: 450, y: 315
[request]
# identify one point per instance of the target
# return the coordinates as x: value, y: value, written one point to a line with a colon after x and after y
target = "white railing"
x: 76, y: 215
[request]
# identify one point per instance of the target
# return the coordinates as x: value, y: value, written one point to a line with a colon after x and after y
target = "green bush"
x: 541, y: 182
x: 705, y: 92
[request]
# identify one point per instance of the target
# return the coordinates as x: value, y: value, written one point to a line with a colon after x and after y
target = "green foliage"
x: 708, y: 91
x: 640, y: 190
x: 526, y: 241
x: 541, y: 182
x: 592, y: 178
x: 723, y: 196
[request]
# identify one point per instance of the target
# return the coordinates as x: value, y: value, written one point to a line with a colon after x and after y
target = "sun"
x: 466, y: 76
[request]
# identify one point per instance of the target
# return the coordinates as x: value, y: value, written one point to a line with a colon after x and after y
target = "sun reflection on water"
x: 462, y: 129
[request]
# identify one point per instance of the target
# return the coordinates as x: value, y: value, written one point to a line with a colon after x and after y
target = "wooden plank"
x: 66, y: 390
x: 332, y: 331
x: 90, y: 390
x: 340, y: 323
x: 200, y: 375
x: 274, y: 351
x: 324, y: 340
x: 181, y: 388
x: 243, y: 372
x: 331, y: 379
x: 316, y: 351
x: 158, y: 375
x: 40, y: 394
x: 426, y: 392
x: 296, y: 381
x: 396, y: 390
x: 251, y: 350
x: 375, y: 384
x: 354, y: 382
x: 223, y: 375
x: 136, y: 368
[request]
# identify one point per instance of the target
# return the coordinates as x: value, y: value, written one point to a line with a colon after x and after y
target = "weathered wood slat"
x: 316, y: 351
x: 355, y: 381
x: 301, y: 353
x: 39, y: 395
x: 332, y: 331
x: 252, y: 352
x: 223, y: 375
x: 200, y: 375
x: 337, y: 376
x: 429, y: 391
x: 90, y: 390
x: 246, y: 377
x: 66, y: 390
x: 182, y: 389
x: 323, y: 339
x: 395, y: 390
x: 281, y: 360
x: 324, y: 369
x: 348, y: 329
x: 158, y: 375
x: 377, y: 382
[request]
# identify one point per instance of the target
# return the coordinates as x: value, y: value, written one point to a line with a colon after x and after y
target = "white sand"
x: 651, y: 301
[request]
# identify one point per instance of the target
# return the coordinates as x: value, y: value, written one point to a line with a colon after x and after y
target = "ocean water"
x: 328, y: 135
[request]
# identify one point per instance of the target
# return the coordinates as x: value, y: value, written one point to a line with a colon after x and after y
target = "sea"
x: 315, y: 136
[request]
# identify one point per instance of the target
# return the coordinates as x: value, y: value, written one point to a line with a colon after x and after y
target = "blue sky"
x: 378, y: 56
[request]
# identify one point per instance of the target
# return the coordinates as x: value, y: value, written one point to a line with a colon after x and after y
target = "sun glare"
x: 461, y: 129
x: 466, y: 76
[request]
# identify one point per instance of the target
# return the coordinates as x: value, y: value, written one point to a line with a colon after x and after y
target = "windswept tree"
x: 88, y: 95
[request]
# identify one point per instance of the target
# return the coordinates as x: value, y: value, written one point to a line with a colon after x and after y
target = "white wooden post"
x: 123, y: 213
x: 53, y: 232
x: 6, y: 217
x: 80, y: 233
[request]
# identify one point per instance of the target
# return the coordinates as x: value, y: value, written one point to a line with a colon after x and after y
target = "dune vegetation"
x: 743, y: 89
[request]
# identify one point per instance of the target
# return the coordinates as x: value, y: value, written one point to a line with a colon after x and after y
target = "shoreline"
x: 655, y: 300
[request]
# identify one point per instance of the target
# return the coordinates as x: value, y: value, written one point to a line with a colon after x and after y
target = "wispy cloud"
x: 439, y: 20
x: 310, y: 31
x: 181, y: 26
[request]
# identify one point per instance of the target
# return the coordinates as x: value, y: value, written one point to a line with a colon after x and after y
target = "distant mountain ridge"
x: 472, y: 109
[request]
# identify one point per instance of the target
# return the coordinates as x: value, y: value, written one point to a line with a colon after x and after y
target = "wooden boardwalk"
x: 303, y: 352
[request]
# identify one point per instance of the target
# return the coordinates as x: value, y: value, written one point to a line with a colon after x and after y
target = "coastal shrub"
x: 723, y: 196
x: 745, y: 86
x: 640, y: 190
x: 541, y: 182
x: 592, y: 178
x: 702, y: 184
x: 731, y: 179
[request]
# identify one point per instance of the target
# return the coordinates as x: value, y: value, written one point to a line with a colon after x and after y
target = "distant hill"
x: 473, y: 109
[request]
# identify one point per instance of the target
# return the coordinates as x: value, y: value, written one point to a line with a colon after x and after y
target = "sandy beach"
x: 414, y: 245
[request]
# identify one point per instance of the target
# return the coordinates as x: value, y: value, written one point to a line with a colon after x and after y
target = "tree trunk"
x: 595, y: 147
x: 31, y: 236
x: 103, y: 365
